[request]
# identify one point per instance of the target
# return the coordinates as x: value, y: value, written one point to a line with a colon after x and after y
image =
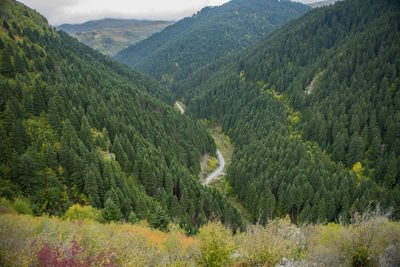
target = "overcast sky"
x: 78, y: 11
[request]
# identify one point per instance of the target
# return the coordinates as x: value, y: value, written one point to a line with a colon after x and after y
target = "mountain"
x: 78, y: 127
x: 109, y: 36
x: 313, y: 111
x: 211, y: 33
x: 322, y: 3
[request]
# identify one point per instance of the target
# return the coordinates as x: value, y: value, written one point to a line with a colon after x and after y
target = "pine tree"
x: 28, y: 174
x: 39, y: 103
x: 133, y: 218
x: 111, y: 212
x: 20, y: 64
x: 56, y: 113
x: 339, y: 148
x: 91, y: 189
x: 5, y: 149
x: 6, y: 26
x: 356, y: 149
x: 86, y: 133
x: 20, y: 138
x: 7, y: 66
x: 141, y: 207
x: 120, y: 154
x: 391, y: 171
x: 27, y: 101
x: 160, y: 219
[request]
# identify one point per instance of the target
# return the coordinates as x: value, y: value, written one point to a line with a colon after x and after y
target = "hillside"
x: 109, y: 36
x: 371, y: 240
x: 313, y: 111
x: 78, y: 127
x: 213, y: 32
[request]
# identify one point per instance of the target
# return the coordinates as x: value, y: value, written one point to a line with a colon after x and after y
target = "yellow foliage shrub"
x: 370, y: 240
x: 212, y: 162
x: 216, y: 245
x: 270, y: 243
x: 78, y: 212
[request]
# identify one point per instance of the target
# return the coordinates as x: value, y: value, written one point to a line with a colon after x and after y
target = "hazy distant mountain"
x: 110, y: 36
x: 322, y: 3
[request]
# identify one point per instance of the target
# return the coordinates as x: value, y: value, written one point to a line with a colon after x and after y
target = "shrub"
x: 366, y: 242
x: 271, y: 243
x: 178, y: 253
x: 22, y: 207
x: 360, y: 257
x: 72, y: 255
x: 78, y: 212
x: 216, y: 245
x: 5, y: 206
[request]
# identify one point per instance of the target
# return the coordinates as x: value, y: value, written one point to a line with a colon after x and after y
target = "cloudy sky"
x: 78, y: 11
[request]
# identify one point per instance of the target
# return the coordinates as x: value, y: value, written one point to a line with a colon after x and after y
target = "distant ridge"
x: 107, y: 23
x: 323, y: 3
x: 109, y: 35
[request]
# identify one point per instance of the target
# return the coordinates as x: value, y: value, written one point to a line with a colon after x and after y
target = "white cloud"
x: 78, y: 11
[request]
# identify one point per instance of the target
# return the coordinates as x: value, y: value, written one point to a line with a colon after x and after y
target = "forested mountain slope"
x: 109, y: 36
x: 196, y: 41
x: 314, y: 113
x: 77, y: 127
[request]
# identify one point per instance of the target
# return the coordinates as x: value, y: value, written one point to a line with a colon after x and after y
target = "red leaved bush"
x: 50, y: 255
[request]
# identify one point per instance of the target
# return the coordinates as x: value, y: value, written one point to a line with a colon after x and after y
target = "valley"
x: 283, y: 148
x: 110, y: 36
x: 219, y: 171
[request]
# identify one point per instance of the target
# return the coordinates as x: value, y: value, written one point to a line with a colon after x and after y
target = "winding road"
x: 180, y: 107
x: 220, y: 170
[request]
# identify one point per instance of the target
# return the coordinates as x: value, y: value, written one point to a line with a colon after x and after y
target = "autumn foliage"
x: 371, y: 240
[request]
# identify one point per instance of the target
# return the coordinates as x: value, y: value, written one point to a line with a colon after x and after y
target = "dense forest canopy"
x: 211, y: 33
x: 314, y: 113
x: 78, y: 127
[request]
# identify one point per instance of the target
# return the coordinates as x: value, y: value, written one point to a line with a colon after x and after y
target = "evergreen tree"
x: 86, y: 133
x: 39, y: 103
x: 160, y: 219
x: 7, y: 66
x: 27, y: 177
x: 20, y: 64
x: 339, y: 148
x: 27, y: 101
x: 111, y: 212
x: 91, y: 189
x: 133, y: 218
x: 20, y: 138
